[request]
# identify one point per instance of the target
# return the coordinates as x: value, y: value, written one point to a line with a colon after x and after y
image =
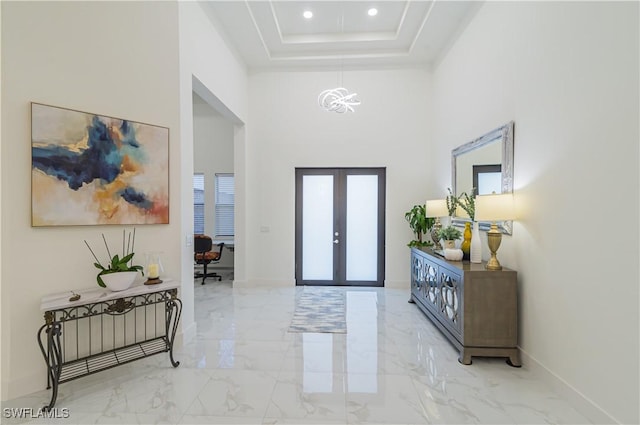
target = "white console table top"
x: 97, y: 294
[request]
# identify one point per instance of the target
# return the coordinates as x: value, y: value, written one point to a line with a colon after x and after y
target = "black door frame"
x: 340, y: 208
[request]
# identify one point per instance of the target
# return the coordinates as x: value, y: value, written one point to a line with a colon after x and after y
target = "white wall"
x: 288, y: 130
x: 4, y: 300
x: 210, y: 68
x: 567, y: 74
x: 213, y: 153
x: 215, y: 64
x: 68, y: 54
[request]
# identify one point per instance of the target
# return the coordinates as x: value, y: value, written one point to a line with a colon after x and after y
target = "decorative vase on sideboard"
x: 449, y: 244
x: 475, y: 254
x: 466, y: 243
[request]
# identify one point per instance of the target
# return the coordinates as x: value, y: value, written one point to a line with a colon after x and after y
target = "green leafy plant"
x: 449, y: 233
x: 452, y: 202
x: 419, y: 224
x: 468, y: 203
x: 116, y: 263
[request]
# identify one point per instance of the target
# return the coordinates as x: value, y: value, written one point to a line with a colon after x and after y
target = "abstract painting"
x: 88, y: 169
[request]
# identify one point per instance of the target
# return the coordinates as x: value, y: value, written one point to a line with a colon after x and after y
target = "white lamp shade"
x: 494, y: 207
x: 436, y: 208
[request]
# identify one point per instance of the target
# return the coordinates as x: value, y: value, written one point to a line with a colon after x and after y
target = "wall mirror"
x: 485, y: 163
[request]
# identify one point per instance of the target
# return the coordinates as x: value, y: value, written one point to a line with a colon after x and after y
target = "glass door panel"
x: 317, y: 228
x: 362, y: 227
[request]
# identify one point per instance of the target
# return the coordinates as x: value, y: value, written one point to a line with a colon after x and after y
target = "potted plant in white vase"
x: 449, y: 235
x: 120, y: 272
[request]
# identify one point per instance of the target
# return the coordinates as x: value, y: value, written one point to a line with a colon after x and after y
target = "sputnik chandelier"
x: 338, y: 100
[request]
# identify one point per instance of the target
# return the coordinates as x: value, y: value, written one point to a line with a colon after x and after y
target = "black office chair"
x: 202, y: 245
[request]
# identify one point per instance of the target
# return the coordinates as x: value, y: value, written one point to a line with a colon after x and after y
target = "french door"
x: 340, y: 226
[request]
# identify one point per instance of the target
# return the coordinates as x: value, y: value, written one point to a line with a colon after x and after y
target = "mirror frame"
x: 505, y: 135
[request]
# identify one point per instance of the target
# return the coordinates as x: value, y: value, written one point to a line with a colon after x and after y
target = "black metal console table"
x: 103, y: 329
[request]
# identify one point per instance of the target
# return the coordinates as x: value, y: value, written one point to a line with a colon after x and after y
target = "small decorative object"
x: 118, y: 265
x: 453, y: 254
x: 436, y: 208
x: 115, y: 171
x: 475, y: 253
x: 449, y: 234
x: 74, y: 296
x: 154, y: 267
x: 494, y: 208
x: 466, y: 243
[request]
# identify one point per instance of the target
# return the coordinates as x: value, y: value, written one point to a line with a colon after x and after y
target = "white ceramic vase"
x: 475, y: 254
x: 449, y: 244
x: 119, y: 281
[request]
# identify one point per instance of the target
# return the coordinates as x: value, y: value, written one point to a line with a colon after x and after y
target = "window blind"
x: 198, y: 203
x: 225, y: 200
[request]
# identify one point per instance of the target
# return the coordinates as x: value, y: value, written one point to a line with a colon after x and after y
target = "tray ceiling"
x: 274, y: 34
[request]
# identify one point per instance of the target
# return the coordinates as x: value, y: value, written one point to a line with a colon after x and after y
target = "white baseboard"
x: 4, y: 390
x: 262, y: 283
x: 187, y: 335
x: 34, y: 382
x: 579, y: 401
x: 397, y: 284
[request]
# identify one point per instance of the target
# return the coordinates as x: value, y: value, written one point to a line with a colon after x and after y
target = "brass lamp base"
x: 434, y: 234
x: 494, y: 238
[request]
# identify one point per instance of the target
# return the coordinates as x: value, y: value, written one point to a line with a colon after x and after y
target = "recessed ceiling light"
x: 308, y: 14
x: 372, y: 12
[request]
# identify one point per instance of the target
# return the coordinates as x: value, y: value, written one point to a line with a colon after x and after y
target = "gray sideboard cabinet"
x: 476, y: 309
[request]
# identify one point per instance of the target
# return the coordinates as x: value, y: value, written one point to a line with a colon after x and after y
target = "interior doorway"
x: 213, y: 183
x: 340, y: 226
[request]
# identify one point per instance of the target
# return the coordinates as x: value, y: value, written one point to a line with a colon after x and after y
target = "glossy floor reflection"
x: 244, y: 367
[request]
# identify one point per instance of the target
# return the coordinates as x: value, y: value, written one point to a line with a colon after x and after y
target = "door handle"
x: 335, y: 241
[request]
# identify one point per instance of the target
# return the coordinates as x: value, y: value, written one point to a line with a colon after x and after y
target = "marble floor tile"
x: 235, y: 393
x: 384, y: 399
x: 318, y: 396
x: 244, y: 367
x: 194, y: 419
x: 460, y: 400
x: 233, y: 354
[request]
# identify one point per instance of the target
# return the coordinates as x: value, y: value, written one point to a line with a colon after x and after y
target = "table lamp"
x: 494, y: 208
x: 436, y: 208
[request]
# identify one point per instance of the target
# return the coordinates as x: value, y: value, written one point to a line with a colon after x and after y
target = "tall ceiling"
x: 275, y: 34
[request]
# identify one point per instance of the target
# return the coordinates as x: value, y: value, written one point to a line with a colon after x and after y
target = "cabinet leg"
x: 173, y: 311
x: 52, y: 357
x: 464, y: 358
x: 411, y: 300
x: 514, y: 360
